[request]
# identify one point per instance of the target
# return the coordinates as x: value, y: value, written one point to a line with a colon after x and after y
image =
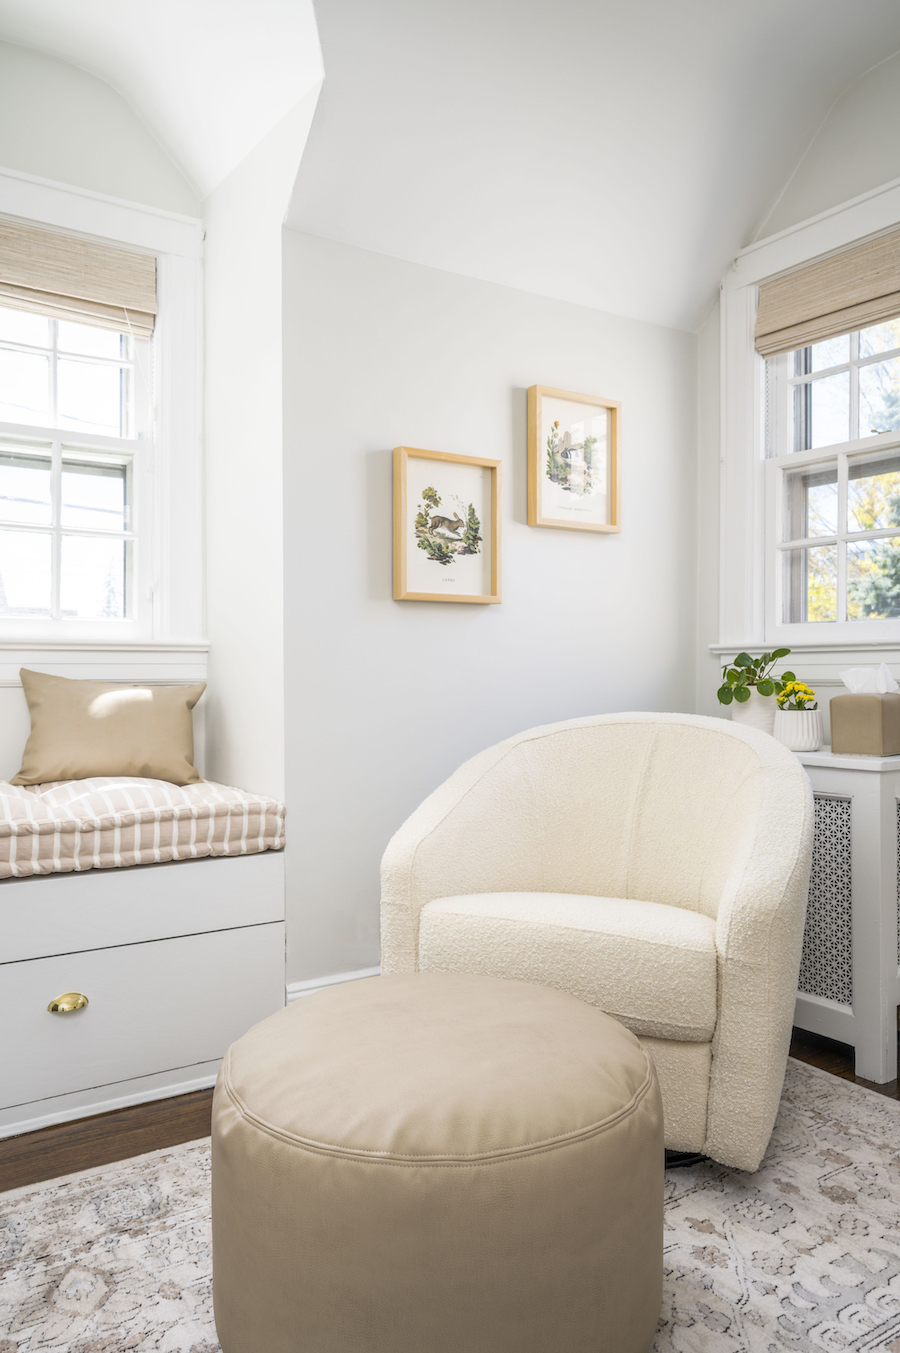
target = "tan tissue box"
x: 867, y: 725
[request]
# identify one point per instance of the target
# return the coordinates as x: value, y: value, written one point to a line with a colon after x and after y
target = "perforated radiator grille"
x: 825, y: 969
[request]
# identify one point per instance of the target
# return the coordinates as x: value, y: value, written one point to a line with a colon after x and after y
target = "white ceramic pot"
x: 758, y: 711
x: 800, y: 729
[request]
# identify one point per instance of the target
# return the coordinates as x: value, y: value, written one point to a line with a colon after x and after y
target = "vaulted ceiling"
x: 615, y: 153
x: 208, y: 77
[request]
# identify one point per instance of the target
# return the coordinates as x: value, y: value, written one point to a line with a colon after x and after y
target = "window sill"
x: 104, y: 660
x: 813, y: 646
x: 820, y: 662
x: 104, y: 645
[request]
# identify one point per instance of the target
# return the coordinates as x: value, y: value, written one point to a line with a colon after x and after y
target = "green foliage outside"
x: 873, y: 572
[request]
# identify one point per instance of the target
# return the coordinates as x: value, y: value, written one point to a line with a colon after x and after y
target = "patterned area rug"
x: 804, y: 1255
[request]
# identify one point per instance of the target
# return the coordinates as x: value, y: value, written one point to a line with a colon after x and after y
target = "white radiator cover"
x: 826, y: 968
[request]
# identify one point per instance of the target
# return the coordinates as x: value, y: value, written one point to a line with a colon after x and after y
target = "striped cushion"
x: 109, y: 823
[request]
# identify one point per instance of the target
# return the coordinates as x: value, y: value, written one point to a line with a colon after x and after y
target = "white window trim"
x: 138, y: 456
x: 745, y: 573
x: 171, y: 610
x: 778, y: 632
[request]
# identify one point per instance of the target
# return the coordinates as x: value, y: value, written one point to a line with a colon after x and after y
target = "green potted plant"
x: 798, y: 722
x: 749, y: 687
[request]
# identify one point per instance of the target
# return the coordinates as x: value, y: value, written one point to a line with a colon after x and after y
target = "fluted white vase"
x: 800, y: 729
x: 758, y: 711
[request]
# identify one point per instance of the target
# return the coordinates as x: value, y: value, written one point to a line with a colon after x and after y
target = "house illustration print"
x: 572, y: 463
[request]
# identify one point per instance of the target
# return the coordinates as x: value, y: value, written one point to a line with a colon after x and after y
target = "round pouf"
x: 437, y: 1163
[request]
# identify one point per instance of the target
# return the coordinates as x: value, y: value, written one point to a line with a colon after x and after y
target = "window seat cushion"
x: 114, y: 822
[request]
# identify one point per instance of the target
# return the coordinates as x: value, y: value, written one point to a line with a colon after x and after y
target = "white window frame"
x: 782, y: 633
x: 749, y: 598
x: 780, y: 385
x: 167, y: 484
x: 136, y: 455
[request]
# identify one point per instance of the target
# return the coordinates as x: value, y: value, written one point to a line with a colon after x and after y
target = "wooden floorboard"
x: 838, y: 1058
x: 88, y: 1142
x: 82, y: 1145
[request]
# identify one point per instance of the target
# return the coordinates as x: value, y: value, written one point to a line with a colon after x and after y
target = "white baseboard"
x: 297, y: 989
x: 104, y: 1098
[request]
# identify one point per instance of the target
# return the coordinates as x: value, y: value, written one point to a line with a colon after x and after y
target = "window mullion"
x: 56, y: 508
x: 842, y: 536
x: 778, y: 424
x: 54, y: 382
x: 854, y: 386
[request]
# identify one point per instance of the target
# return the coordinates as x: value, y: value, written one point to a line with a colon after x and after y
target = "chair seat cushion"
x: 651, y: 966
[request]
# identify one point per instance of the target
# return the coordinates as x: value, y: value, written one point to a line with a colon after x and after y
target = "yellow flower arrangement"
x: 797, y: 695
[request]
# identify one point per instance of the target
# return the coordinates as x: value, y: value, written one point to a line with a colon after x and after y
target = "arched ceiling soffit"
x: 615, y: 153
x: 209, y: 78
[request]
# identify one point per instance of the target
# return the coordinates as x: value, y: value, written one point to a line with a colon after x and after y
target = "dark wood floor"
x: 837, y: 1058
x: 68, y: 1147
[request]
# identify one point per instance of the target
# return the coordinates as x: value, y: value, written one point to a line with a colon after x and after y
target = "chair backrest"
x: 649, y: 806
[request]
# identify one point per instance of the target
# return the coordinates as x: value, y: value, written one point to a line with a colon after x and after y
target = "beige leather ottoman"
x: 437, y: 1163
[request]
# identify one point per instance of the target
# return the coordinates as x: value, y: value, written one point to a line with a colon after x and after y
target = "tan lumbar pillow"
x: 80, y: 729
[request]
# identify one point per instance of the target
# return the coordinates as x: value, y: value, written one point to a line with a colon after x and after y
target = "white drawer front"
x: 61, y: 913
x: 152, y: 1007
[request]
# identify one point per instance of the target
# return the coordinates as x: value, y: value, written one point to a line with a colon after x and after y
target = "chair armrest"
x: 477, y: 833
x: 759, y: 937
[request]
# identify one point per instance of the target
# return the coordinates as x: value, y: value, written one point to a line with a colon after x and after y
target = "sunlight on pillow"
x: 112, y: 701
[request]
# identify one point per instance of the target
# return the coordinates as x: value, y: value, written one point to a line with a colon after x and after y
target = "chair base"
x: 676, y: 1160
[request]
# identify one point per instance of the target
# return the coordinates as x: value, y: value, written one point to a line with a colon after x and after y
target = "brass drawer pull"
x: 71, y: 1000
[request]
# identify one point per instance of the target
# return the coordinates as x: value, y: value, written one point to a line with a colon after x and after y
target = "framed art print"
x: 573, y: 460
x: 446, y: 527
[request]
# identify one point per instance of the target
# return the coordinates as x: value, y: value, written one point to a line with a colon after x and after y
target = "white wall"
x: 384, y: 699
x: 708, y: 454
x: 57, y: 122
x: 245, y: 724
x: 857, y: 148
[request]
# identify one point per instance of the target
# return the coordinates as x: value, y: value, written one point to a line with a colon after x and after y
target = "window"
x: 74, y: 423
x: 833, y: 442
x: 101, y: 485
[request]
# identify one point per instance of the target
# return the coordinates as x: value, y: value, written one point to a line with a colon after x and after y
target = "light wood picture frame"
x: 573, y: 461
x: 446, y: 527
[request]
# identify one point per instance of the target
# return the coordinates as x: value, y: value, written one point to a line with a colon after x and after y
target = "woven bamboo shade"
x: 77, y: 280
x: 850, y: 290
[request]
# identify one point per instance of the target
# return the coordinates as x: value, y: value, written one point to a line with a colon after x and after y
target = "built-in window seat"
x: 115, y: 822
x: 163, y: 907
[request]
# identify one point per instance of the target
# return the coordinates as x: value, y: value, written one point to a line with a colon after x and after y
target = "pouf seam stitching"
x: 439, y: 1161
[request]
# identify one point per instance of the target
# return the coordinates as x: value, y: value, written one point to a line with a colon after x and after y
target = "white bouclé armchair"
x: 655, y: 865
